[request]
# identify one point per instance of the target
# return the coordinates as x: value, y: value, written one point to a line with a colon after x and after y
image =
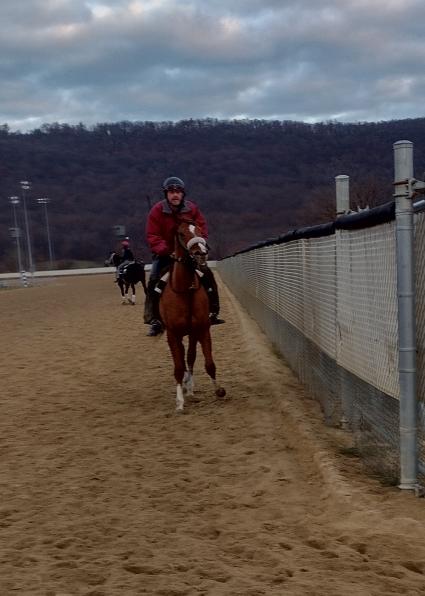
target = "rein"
x: 197, y: 259
x: 195, y: 262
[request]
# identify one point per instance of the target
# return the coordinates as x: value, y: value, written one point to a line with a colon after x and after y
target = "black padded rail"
x: 352, y: 221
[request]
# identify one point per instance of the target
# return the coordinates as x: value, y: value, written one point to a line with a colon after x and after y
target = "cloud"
x: 89, y: 61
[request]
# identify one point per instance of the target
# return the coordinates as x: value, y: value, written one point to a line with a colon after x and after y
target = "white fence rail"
x: 62, y: 272
x: 59, y: 273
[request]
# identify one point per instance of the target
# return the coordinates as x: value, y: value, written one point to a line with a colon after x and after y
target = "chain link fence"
x: 329, y: 305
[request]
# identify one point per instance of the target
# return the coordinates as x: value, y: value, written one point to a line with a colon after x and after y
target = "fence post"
x: 342, y: 189
x: 342, y: 194
x: 403, y: 175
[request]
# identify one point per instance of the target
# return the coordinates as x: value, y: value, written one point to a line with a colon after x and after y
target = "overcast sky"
x: 309, y: 60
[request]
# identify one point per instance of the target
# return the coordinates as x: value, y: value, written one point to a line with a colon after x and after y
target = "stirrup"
x: 160, y: 285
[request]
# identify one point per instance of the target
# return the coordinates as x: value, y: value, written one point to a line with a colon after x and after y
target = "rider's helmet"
x: 173, y: 183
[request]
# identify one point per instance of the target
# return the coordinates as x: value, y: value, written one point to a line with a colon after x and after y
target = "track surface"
x: 105, y: 492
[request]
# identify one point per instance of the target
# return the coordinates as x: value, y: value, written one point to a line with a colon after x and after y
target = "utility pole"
x: 25, y: 185
x: 16, y: 231
x: 44, y: 201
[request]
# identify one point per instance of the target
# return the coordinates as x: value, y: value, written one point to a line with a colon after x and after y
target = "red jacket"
x: 162, y: 225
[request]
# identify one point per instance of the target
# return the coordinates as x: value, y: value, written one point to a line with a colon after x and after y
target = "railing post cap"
x: 398, y: 143
x: 341, y: 177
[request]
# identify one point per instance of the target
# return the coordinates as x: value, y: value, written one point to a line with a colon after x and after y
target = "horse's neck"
x: 183, y: 276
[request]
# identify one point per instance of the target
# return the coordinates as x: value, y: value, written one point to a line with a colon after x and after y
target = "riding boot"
x: 151, y: 303
x: 210, y: 285
x: 151, y: 313
x: 155, y: 328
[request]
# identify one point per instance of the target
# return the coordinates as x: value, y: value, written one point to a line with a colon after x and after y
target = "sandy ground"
x: 106, y: 492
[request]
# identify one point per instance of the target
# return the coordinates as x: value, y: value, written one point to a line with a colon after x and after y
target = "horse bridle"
x: 199, y: 257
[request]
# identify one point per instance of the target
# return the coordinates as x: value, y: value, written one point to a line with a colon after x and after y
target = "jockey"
x: 127, y: 253
x: 161, y: 226
x: 126, y: 256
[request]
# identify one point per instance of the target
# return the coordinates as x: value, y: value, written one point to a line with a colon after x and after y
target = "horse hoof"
x: 220, y: 392
x: 179, y: 411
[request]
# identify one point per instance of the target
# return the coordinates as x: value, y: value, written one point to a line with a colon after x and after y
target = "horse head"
x: 191, y: 241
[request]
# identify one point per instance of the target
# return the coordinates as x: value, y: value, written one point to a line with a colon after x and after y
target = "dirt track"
x: 105, y: 492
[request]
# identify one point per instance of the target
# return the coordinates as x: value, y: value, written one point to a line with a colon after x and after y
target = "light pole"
x: 16, y: 230
x: 44, y: 201
x: 25, y: 185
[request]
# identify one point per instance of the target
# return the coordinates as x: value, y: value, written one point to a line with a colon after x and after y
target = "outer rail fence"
x: 332, y: 299
x: 27, y: 279
x: 56, y: 273
x: 32, y: 278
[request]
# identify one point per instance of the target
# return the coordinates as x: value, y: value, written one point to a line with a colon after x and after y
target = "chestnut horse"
x: 184, y: 309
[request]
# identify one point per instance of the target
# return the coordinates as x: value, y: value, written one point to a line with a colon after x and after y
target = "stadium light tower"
x: 16, y: 230
x: 44, y: 201
x: 25, y: 186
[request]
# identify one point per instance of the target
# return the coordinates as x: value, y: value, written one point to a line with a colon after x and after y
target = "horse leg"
x: 206, y: 345
x: 188, y: 385
x: 121, y: 287
x: 177, y: 351
x: 126, y: 288
x: 133, y: 295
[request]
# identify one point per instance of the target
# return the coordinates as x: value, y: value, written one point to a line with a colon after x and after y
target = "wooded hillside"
x: 253, y: 179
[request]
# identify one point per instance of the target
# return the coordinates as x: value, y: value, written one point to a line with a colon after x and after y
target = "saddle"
x: 122, y: 269
x: 160, y: 285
